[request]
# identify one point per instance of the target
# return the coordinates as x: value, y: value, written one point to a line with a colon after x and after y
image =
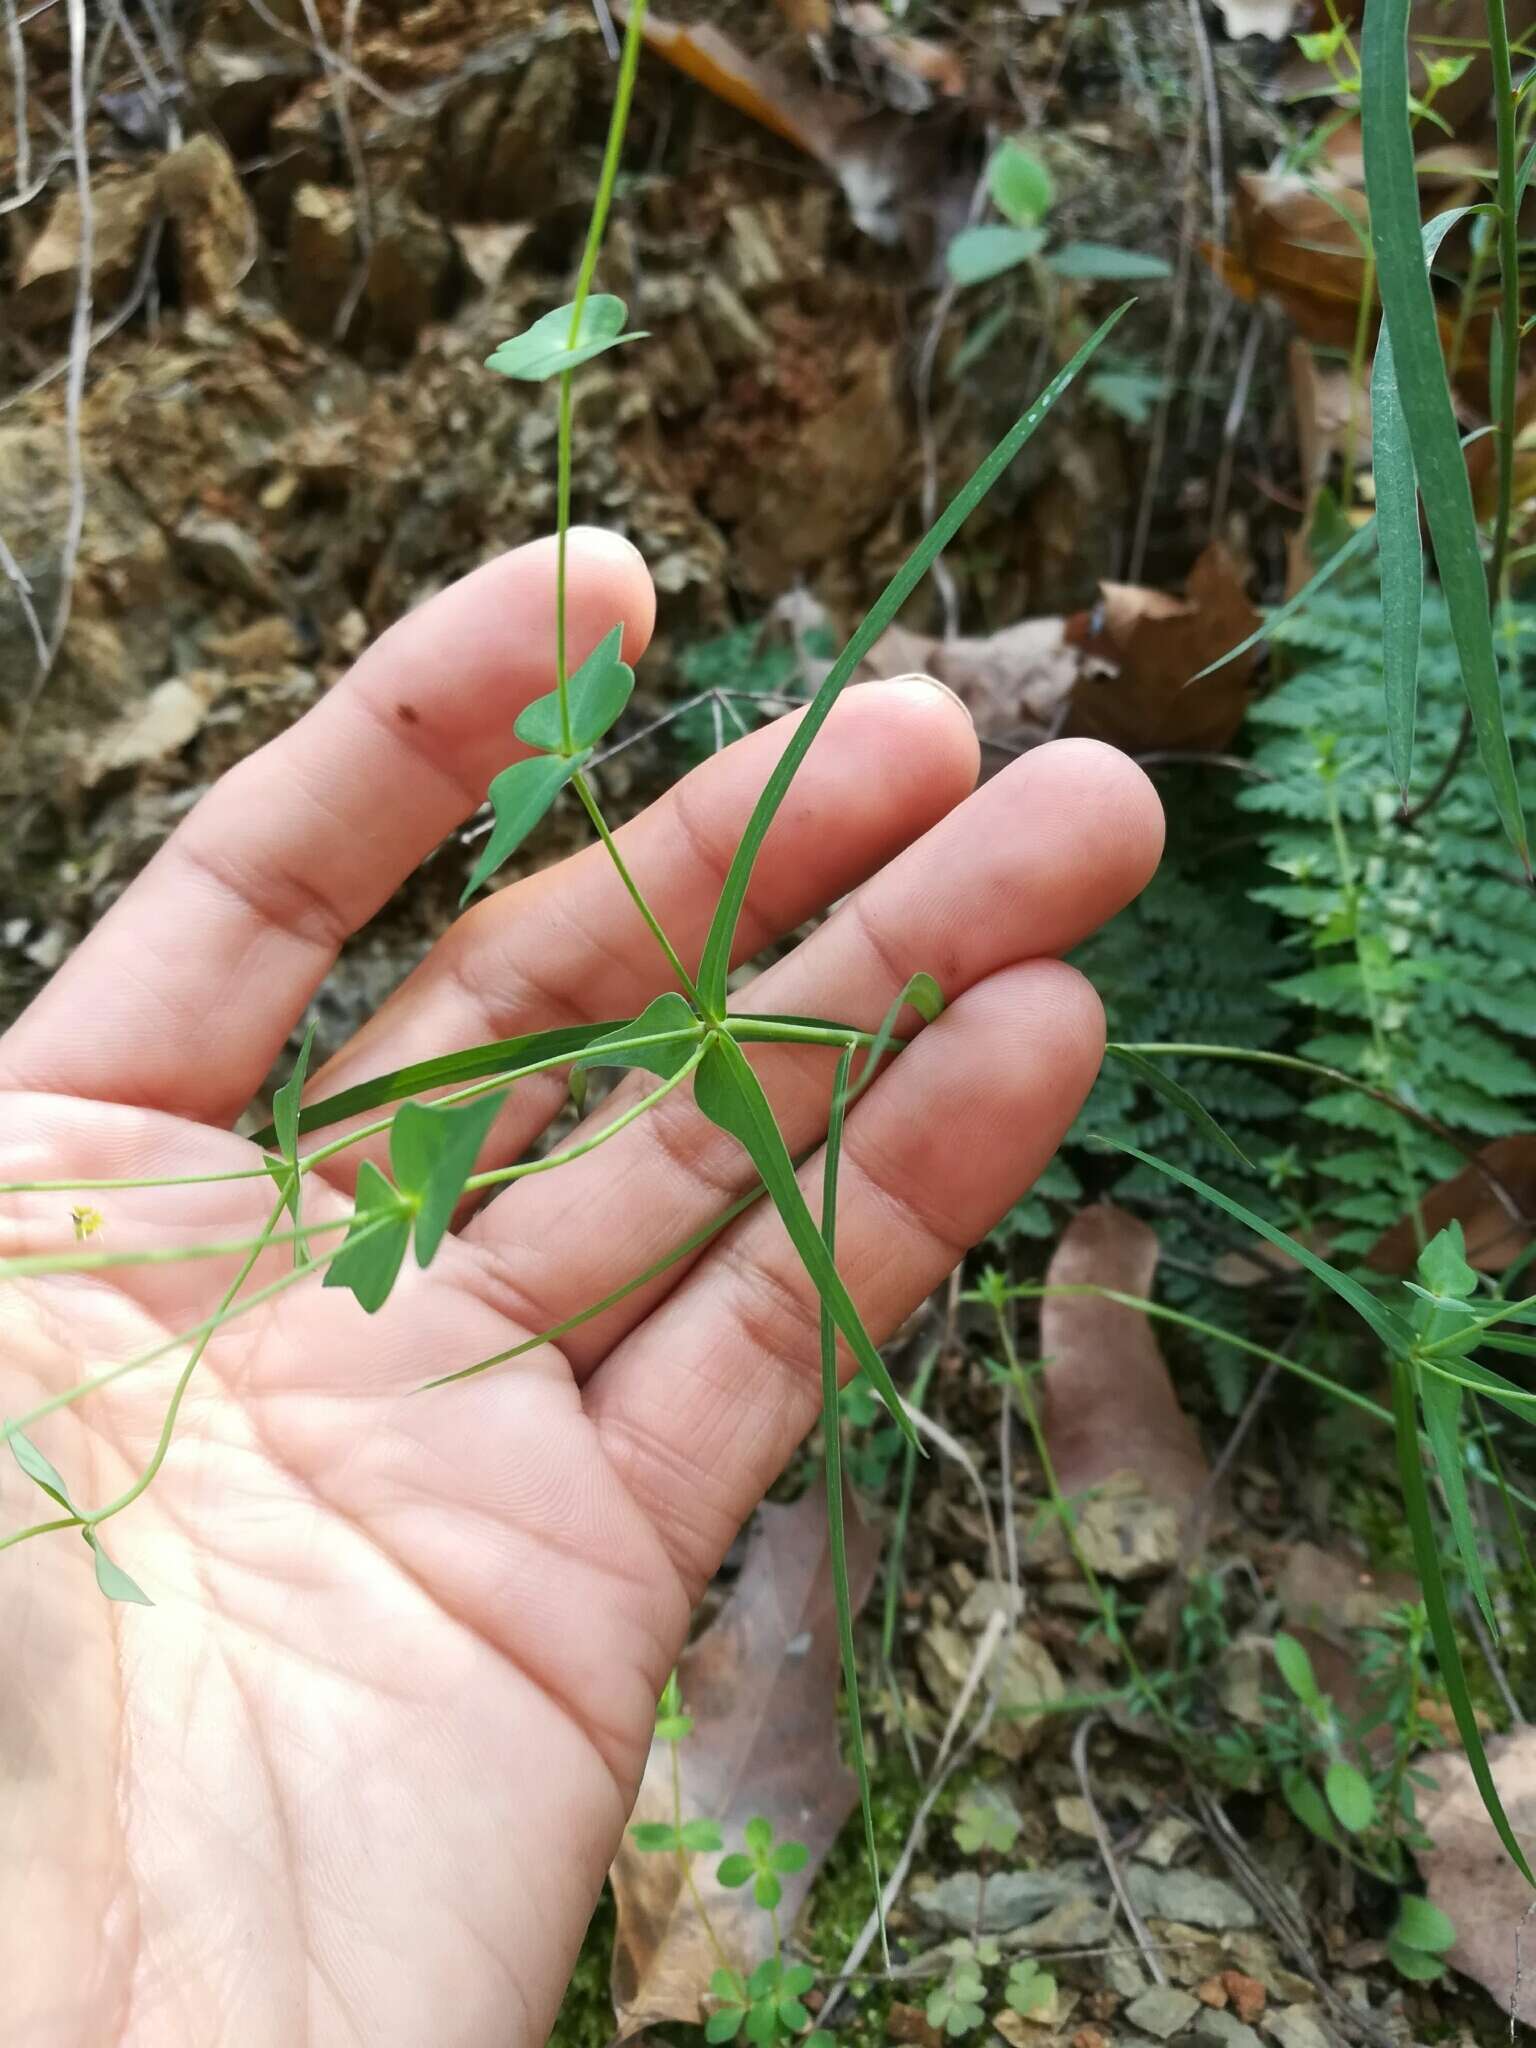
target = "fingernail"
x: 928, y: 683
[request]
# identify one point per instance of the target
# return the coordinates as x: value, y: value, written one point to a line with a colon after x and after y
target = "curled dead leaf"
x: 1139, y: 692
x: 1494, y: 1201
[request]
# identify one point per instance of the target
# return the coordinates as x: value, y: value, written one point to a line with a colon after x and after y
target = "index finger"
x: 182, y: 997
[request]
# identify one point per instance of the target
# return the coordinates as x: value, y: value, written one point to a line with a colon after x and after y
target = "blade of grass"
x: 832, y: 1431
x: 1179, y: 1097
x: 714, y: 965
x: 1409, y: 306
x: 1353, y: 548
x: 1442, y: 1629
x: 1402, y: 558
x: 1442, y: 1406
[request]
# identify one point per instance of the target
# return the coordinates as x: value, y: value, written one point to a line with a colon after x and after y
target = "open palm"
x: 356, y: 1776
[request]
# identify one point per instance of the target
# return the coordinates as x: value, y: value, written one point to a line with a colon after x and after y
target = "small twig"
x: 1210, y: 94
x: 1174, y: 757
x: 1106, y: 1848
x: 1231, y: 425
x: 953, y: 1448
x: 16, y: 576
x: 17, y: 51
x: 1496, y: 1669
x: 605, y: 23
x: 1158, y: 445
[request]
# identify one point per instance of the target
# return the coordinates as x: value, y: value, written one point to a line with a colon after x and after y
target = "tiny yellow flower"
x: 87, y: 1221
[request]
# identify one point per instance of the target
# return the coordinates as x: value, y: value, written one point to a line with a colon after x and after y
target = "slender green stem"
x: 685, y: 1862
x: 556, y: 1331
x: 173, y: 1407
x: 38, y: 1529
x: 593, y: 810
x: 34, y: 1263
x: 618, y: 121
x: 158, y: 1180
x: 1504, y: 113
x: 503, y: 1174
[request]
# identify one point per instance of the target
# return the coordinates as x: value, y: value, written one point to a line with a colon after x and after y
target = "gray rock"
x: 1162, y: 2011
x: 227, y: 555
x: 1123, y: 1974
x: 1224, y: 2030
x: 1012, y: 1899
x: 1300, y: 2026
x: 1081, y: 1923
x: 1190, y: 1896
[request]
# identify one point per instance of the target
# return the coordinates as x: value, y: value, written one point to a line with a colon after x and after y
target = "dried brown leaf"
x: 810, y: 120
x: 1109, y: 1402
x: 1015, y: 684
x: 1495, y: 1237
x: 1137, y: 691
x: 761, y: 1685
x: 1471, y: 1878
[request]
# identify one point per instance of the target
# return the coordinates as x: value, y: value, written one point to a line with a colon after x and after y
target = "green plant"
x: 761, y: 1862
x: 766, y: 2006
x: 956, y: 2004
x: 686, y: 1038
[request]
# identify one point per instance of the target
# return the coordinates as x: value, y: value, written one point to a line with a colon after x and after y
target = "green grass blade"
x: 1179, y: 1097
x: 1392, y: 1332
x: 1426, y: 1551
x: 831, y: 1424
x: 730, y: 1095
x: 452, y: 1070
x: 1409, y: 307
x: 927, y: 998
x: 1442, y: 1405
x: 714, y: 966
x: 1353, y: 548
x: 1402, y: 558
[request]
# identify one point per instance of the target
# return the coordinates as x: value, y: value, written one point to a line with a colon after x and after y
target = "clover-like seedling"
x: 1029, y: 1989
x: 763, y: 1863
x: 653, y: 1837
x: 766, y: 2007
x: 956, y: 2004
x: 985, y: 1825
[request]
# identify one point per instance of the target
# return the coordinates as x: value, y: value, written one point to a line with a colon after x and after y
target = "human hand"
x: 358, y: 1774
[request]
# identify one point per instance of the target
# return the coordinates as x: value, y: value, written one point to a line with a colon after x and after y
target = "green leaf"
x: 1350, y: 1796
x: 651, y: 1837
x: 1441, y: 1404
x: 725, y: 2024
x: 714, y: 967
x: 1442, y: 1628
x: 702, y: 1836
x: 1413, y: 1963
x: 976, y: 254
x: 765, y: 1977
x: 1162, y: 1083
x: 789, y: 1857
x: 1442, y: 1265
x: 548, y: 349
x: 793, y: 2015
x: 728, y: 1984
x: 520, y: 795
x: 1409, y: 308
x: 733, y: 1870
x: 763, y: 2023
x: 1351, y: 550
x: 374, y: 1246
x: 1020, y: 184
x: 1421, y: 1925
x: 674, y: 1727
x: 596, y: 696
x: 40, y: 1471
x: 1295, y: 1667
x: 670, y: 1020
x: 1402, y: 558
x: 925, y: 996
x: 1481, y: 1379
x: 112, y: 1579
x: 1103, y: 262
x: 758, y: 1833
x: 730, y: 1095
x: 285, y: 1123
x: 452, y: 1070
x: 1308, y: 1805
x: 797, y: 1980
x: 767, y: 1890
x: 432, y: 1151
x: 1386, y: 1326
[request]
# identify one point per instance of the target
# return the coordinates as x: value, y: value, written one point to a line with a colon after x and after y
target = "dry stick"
x: 338, y: 70
x: 1232, y: 423
x: 1211, y: 97
x: 1106, y: 1848
x: 331, y: 59
x: 1175, y: 342
x: 17, y: 50
x: 16, y: 576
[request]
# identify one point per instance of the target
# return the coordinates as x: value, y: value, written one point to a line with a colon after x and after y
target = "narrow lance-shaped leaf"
x: 1104, y: 263
x: 730, y: 1095
x: 285, y: 1124
x: 1426, y: 1553
x: 1442, y: 1406
x: 1397, y: 514
x: 520, y: 795
x: 1362, y: 538
x: 925, y: 996
x: 1174, y: 1092
x: 1392, y: 1332
x: 715, y: 963
x: 1409, y: 307
x: 661, y: 1040
x: 110, y: 1577
x: 832, y: 1432
x: 976, y: 254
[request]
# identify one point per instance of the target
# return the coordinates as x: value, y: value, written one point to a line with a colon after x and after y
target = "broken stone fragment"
x: 201, y: 192
x: 46, y: 278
